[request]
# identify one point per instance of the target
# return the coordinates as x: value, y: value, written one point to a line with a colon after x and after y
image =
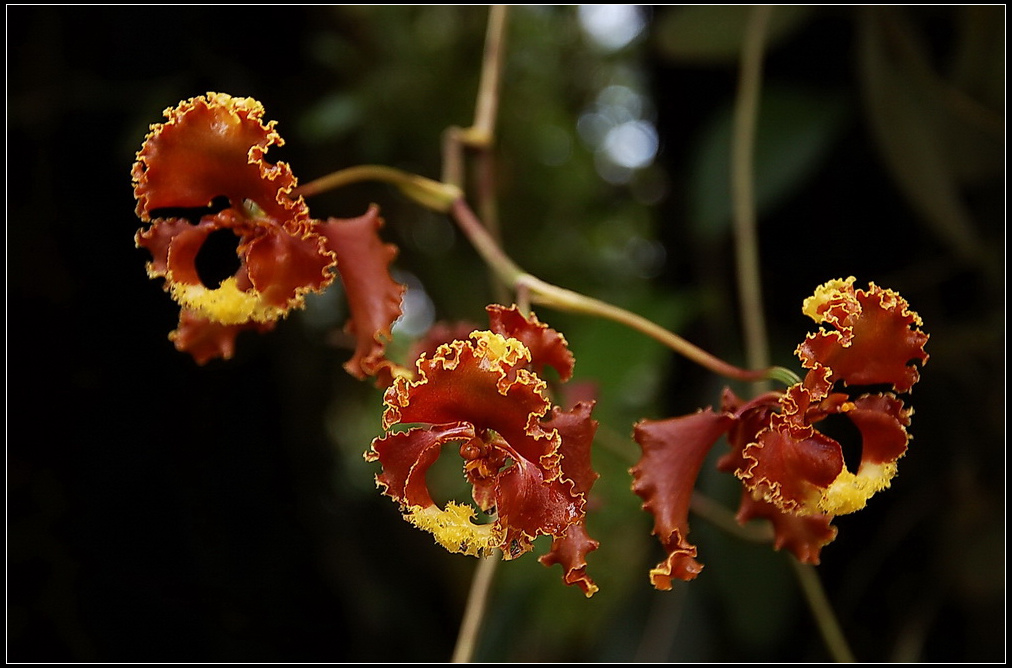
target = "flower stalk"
x: 746, y: 115
x: 430, y: 194
x: 541, y: 292
x: 477, y: 604
x: 447, y: 198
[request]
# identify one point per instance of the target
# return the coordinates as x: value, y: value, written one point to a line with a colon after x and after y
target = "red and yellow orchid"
x: 212, y: 148
x: 483, y: 393
x: 792, y: 473
x: 528, y: 463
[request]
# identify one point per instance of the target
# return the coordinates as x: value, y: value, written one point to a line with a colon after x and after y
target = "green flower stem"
x: 783, y: 375
x: 573, y: 302
x: 724, y: 519
x: 818, y: 603
x: 481, y: 135
x: 746, y: 113
x: 482, y: 131
x: 448, y: 198
x: 561, y: 299
x: 474, y: 613
x: 508, y: 271
x: 430, y: 194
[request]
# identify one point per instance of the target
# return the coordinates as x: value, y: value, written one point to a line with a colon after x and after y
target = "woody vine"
x: 496, y: 396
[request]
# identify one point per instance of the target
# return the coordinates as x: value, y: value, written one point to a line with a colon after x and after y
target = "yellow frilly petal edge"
x: 825, y: 293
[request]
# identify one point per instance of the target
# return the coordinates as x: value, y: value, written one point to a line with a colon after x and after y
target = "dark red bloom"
x: 794, y: 474
x: 212, y: 149
x: 528, y: 463
x: 875, y: 340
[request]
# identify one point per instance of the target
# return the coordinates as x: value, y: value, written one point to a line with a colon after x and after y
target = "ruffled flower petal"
x: 673, y: 454
x: 875, y: 337
x: 576, y: 429
x: 750, y: 417
x: 882, y: 421
x: 875, y: 340
x: 533, y: 504
x: 407, y: 455
x: 276, y: 269
x: 440, y: 333
x: 570, y: 551
x: 802, y: 535
x: 374, y: 297
x: 791, y: 465
x: 213, y: 146
x: 482, y: 381
x: 547, y: 346
x: 283, y: 268
x: 206, y: 340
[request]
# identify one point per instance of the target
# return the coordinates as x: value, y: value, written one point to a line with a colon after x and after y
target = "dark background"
x: 161, y: 511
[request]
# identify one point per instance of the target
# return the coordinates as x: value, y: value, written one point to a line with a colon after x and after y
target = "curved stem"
x: 448, y: 198
x: 818, y: 603
x: 474, y: 613
x: 724, y: 519
x: 508, y: 271
x: 431, y: 194
x: 746, y: 113
x: 481, y: 135
x: 481, y: 132
x: 566, y: 300
x: 573, y: 302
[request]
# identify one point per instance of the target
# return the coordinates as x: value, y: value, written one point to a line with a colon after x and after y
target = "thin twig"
x: 724, y: 519
x: 474, y: 613
x: 481, y: 135
x: 481, y: 132
x: 562, y: 299
x: 746, y: 115
x: 818, y: 603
